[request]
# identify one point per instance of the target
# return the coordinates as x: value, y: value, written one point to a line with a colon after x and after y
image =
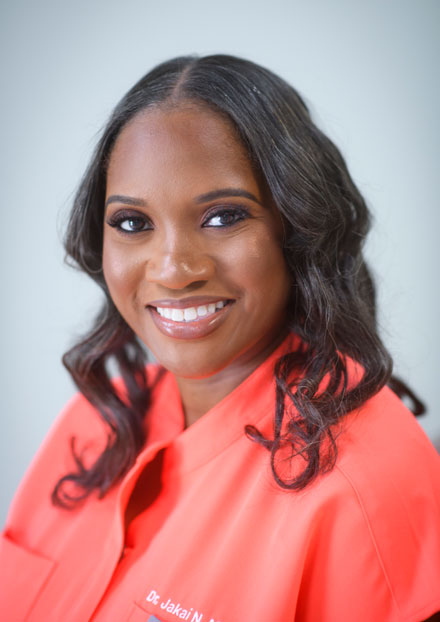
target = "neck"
x: 199, y: 395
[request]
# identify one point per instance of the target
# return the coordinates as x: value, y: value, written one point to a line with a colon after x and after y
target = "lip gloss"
x: 194, y: 329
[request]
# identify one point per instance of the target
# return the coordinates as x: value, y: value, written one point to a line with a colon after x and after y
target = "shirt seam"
x: 372, y: 536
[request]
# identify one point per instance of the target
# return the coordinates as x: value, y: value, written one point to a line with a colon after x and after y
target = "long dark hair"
x: 332, y: 308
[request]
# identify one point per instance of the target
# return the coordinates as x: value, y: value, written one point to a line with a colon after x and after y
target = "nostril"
x: 179, y: 272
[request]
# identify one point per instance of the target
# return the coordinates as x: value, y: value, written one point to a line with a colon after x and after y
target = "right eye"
x: 129, y: 223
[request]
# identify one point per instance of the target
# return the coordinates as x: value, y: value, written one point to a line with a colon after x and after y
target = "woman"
x: 262, y: 470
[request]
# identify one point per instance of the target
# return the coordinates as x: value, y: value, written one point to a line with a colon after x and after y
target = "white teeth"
x: 177, y: 315
x: 190, y: 313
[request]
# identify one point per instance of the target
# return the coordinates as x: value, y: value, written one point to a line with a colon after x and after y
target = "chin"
x: 193, y: 369
x: 189, y: 362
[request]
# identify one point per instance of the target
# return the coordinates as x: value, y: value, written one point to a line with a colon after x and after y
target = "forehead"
x: 186, y: 141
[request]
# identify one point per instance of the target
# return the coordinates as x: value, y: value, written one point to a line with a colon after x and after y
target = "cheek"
x: 121, y: 272
x: 257, y: 267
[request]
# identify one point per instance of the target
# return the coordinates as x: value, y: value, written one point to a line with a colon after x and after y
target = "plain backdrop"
x: 368, y: 70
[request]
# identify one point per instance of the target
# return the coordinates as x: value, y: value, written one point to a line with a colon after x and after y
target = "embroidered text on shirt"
x: 177, y: 609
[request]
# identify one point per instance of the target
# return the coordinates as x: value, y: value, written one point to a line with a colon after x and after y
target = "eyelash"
x: 239, y: 213
x: 117, y: 219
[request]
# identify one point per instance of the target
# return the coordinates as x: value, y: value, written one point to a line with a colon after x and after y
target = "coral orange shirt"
x: 219, y: 541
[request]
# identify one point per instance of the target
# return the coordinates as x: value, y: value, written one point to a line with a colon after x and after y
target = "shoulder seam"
x: 370, y: 529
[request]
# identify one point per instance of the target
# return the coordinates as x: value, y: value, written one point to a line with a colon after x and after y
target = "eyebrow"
x: 122, y: 198
x: 202, y: 198
x: 226, y: 192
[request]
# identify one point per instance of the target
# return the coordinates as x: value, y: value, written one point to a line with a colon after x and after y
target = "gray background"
x: 368, y: 71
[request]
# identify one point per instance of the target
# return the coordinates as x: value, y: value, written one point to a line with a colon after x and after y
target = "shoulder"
x: 81, y: 420
x: 383, y: 441
x: 377, y: 515
x: 386, y: 461
x: 78, y: 421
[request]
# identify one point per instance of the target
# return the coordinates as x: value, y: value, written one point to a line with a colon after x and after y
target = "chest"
x: 208, y: 546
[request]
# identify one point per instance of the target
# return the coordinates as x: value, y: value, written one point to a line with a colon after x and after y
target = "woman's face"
x: 192, y: 248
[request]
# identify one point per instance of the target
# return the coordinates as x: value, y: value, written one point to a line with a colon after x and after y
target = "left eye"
x: 133, y: 224
x: 225, y: 218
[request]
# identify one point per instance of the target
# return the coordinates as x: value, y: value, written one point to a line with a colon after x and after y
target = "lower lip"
x: 196, y: 329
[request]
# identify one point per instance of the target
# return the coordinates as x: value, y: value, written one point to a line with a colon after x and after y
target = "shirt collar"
x: 249, y: 403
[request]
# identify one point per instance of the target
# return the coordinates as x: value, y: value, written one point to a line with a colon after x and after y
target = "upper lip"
x: 183, y: 303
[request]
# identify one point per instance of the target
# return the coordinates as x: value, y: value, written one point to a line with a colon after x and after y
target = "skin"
x: 163, y: 160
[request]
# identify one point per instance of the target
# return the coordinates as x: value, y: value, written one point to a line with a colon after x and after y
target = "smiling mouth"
x: 191, y: 314
x: 190, y: 322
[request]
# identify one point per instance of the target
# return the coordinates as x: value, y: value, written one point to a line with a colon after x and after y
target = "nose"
x: 178, y: 264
